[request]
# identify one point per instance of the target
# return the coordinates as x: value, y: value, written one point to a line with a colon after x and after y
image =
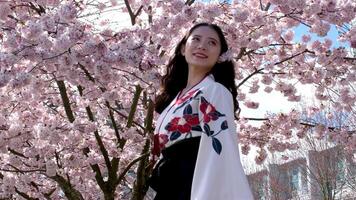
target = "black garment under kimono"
x: 173, y: 175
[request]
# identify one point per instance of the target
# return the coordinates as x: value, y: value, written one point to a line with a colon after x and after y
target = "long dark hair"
x: 176, y: 76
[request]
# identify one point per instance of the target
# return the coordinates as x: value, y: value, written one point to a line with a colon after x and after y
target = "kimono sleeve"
x: 218, y: 171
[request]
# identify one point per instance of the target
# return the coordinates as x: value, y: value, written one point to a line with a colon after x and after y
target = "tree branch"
x: 132, y: 15
x: 112, y: 118
x: 16, y: 170
x: 149, y: 118
x: 248, y: 77
x: 98, y: 176
x: 103, y: 150
x: 189, y: 2
x: 70, y: 192
x: 127, y: 168
x: 96, y: 134
x: 289, y: 58
x: 65, y: 100
x: 142, y: 173
x: 126, y: 117
x: 134, y: 106
x: 16, y: 153
x: 24, y: 195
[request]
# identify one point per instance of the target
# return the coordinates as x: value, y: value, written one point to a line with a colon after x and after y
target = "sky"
x: 332, y: 34
x: 275, y: 102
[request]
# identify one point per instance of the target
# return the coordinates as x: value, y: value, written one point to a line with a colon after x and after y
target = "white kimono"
x: 206, y: 110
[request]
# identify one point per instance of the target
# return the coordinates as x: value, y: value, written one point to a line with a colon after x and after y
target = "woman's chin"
x: 201, y: 67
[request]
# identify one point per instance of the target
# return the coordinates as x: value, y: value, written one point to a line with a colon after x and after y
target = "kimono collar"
x: 204, y: 81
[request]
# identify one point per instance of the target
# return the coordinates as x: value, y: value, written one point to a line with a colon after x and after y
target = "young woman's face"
x: 202, y: 48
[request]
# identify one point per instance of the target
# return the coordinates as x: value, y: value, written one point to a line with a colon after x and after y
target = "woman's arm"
x: 218, y: 172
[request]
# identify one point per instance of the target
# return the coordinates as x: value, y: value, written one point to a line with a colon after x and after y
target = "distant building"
x: 321, y: 175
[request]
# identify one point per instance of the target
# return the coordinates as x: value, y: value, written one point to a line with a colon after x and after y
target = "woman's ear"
x: 182, y: 49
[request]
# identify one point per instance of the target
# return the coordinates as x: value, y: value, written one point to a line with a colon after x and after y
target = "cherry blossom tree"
x: 76, y: 115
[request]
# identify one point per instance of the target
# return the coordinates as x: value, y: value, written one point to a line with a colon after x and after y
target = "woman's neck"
x: 194, y: 77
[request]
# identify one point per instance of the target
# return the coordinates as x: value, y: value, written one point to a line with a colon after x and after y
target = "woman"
x: 195, y: 134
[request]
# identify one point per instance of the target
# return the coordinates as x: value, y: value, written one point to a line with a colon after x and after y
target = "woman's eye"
x: 195, y: 39
x: 212, y: 43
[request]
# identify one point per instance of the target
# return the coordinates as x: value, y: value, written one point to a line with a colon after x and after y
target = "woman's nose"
x: 201, y: 45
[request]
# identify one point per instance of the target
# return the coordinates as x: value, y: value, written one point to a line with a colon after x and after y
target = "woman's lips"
x: 200, y: 55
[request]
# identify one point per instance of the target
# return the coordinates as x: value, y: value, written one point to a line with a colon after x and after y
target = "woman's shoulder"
x: 215, y: 88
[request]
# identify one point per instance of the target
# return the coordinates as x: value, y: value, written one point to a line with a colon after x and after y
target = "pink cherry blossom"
x: 298, y: 4
x: 254, y: 88
x: 245, y: 149
x: 240, y: 15
x: 251, y: 104
x: 32, y: 30
x: 4, y: 79
x: 289, y: 36
x: 241, y: 96
x: 266, y: 79
x: 268, y: 89
x: 320, y: 28
x: 262, y: 155
x: 5, y: 10
x: 68, y: 12
x: 306, y: 38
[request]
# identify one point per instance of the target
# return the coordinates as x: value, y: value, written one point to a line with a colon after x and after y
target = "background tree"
x: 331, y: 170
x: 319, y: 169
x: 76, y: 98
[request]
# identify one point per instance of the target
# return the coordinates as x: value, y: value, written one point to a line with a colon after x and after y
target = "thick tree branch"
x: 98, y: 139
x: 189, y: 2
x: 16, y: 153
x: 65, y: 100
x: 150, y: 17
x: 112, y: 118
x: 267, y: 6
x: 24, y: 195
x: 98, y: 176
x: 126, y: 117
x: 40, y: 10
x: 113, y: 173
x: 103, y: 150
x: 149, y: 118
x: 49, y: 194
x: 70, y: 192
x: 87, y: 74
x: 134, y: 106
x: 142, y: 174
x: 132, y: 15
x: 138, y: 11
x: 256, y: 119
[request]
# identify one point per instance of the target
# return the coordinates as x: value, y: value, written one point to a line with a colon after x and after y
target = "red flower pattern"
x: 190, y: 121
x: 183, y: 124
x: 159, y: 141
x: 209, y: 111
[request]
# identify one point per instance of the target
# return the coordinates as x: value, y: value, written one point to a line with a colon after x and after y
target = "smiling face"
x: 202, y: 48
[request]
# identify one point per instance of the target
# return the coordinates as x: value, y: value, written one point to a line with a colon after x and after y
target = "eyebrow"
x: 209, y: 37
